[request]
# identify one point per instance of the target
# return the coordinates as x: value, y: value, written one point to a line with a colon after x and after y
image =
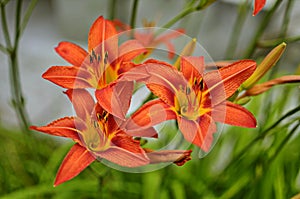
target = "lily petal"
x: 77, y: 159
x: 64, y: 127
x: 82, y: 101
x: 130, y: 49
x: 148, y: 132
x: 234, y: 115
x: 163, y: 78
x: 192, y: 67
x: 115, y: 98
x: 258, y: 6
x: 221, y: 84
x: 124, y: 157
x: 121, y: 139
x: 198, y: 132
x: 163, y: 93
x: 150, y: 114
x: 166, y: 39
x: 72, y: 53
x: 103, y: 32
x: 68, y: 77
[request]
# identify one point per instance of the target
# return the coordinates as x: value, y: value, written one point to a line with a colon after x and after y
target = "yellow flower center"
x: 96, y: 137
x: 102, y: 72
x: 187, y: 103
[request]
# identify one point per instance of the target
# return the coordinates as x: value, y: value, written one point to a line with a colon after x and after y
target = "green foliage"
x: 243, y: 164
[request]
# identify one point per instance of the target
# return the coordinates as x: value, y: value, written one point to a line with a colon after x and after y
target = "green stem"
x: 4, y: 2
x: 27, y: 15
x: 133, y: 13
x: 16, y: 90
x: 188, y: 9
x: 14, y: 74
x: 274, y: 42
x: 262, y: 135
x: 112, y: 7
x: 291, y: 112
x: 179, y: 16
x: 4, y: 49
x: 261, y: 30
x: 286, y: 18
x: 5, y: 27
x: 236, y: 32
x: 283, y: 143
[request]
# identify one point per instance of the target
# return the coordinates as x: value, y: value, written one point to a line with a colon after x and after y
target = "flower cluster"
x: 100, y: 83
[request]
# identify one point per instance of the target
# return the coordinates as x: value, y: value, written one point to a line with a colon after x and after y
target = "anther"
x: 105, y: 57
x: 187, y: 90
x: 99, y: 116
x: 94, y: 54
x: 96, y: 125
x: 201, y: 84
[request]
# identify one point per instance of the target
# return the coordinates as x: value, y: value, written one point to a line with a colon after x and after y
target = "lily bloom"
x: 98, y: 66
x: 196, y: 100
x: 98, y: 135
x: 258, y: 6
x: 148, y: 37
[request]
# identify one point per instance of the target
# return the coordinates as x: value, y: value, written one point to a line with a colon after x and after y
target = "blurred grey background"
x: 69, y: 20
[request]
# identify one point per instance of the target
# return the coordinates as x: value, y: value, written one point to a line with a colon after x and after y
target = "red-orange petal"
x: 121, y: 139
x: 72, y: 53
x: 258, y: 6
x: 198, y: 132
x: 163, y: 93
x: 100, y: 32
x: 234, y: 115
x: 150, y: 114
x: 115, y: 98
x: 148, y: 132
x: 124, y: 157
x: 166, y: 39
x: 222, y: 83
x: 192, y: 67
x: 77, y: 159
x: 130, y: 49
x: 68, y: 77
x: 64, y: 127
x: 82, y: 101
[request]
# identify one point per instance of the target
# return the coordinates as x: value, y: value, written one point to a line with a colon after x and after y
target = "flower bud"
x: 270, y: 60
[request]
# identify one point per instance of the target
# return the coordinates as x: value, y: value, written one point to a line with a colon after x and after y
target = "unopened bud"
x: 270, y: 60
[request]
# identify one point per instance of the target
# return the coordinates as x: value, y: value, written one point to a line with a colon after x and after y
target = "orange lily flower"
x: 97, y: 67
x: 149, y: 39
x: 100, y: 66
x: 258, y: 6
x: 97, y: 136
x: 196, y: 100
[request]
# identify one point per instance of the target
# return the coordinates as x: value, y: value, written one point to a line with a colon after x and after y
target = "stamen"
x: 105, y: 57
x: 98, y: 116
x: 96, y: 125
x: 91, y: 59
x: 94, y: 54
x: 201, y: 84
x: 187, y: 90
